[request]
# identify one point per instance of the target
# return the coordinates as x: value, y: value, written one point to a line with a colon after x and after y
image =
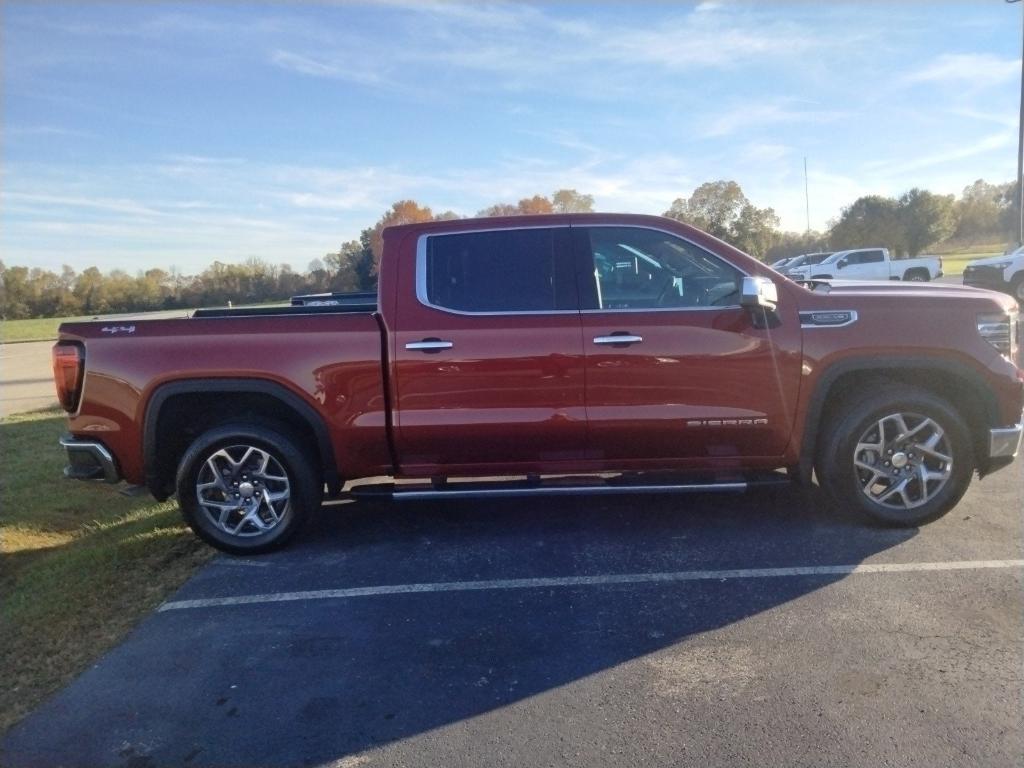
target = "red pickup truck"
x: 583, y: 353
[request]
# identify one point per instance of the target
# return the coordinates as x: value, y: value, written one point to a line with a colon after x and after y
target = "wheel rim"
x: 243, y: 490
x: 903, y: 460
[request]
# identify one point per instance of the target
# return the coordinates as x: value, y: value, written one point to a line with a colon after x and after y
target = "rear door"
x: 675, y: 368
x: 488, y: 354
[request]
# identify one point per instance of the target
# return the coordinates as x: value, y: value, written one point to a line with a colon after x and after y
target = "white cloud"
x: 971, y: 69
x: 746, y: 118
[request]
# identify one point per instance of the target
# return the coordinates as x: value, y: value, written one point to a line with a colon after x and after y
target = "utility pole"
x: 1020, y: 147
x: 807, y: 195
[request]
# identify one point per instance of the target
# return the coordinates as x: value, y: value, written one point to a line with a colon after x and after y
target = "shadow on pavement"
x: 310, y: 682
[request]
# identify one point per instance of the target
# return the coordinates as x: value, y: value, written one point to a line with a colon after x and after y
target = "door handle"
x: 429, y: 345
x: 618, y: 337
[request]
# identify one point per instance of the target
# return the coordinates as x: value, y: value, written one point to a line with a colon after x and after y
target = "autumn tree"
x: 721, y: 209
x: 713, y: 207
x: 571, y: 201
x: 402, y: 212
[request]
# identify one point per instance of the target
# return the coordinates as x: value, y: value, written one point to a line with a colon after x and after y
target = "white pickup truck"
x: 999, y: 273
x: 869, y: 264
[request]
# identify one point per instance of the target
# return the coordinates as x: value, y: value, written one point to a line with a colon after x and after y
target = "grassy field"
x: 81, y: 564
x: 37, y: 329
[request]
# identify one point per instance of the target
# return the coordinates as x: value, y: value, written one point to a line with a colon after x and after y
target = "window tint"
x: 644, y: 269
x: 872, y: 257
x: 519, y: 270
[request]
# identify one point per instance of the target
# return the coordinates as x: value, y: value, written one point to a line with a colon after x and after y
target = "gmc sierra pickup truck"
x: 868, y: 264
x: 565, y: 354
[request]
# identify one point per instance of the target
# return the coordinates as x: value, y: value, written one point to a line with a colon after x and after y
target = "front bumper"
x: 985, y: 277
x: 88, y: 460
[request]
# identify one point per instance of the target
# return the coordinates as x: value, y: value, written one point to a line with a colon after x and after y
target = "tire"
x: 1017, y: 288
x: 884, y: 486
x: 918, y: 276
x: 256, y: 464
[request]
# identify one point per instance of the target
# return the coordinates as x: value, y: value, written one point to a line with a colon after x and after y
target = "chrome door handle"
x: 622, y: 338
x: 429, y: 345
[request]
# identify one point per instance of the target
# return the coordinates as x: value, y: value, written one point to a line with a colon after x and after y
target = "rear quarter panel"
x: 333, y: 362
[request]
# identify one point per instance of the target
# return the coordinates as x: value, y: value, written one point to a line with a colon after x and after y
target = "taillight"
x: 68, y: 369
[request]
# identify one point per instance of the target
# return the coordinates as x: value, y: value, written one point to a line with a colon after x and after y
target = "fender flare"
x: 248, y: 386
x: 816, y: 402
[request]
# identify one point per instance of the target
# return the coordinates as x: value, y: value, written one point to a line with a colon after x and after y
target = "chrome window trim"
x: 421, y: 273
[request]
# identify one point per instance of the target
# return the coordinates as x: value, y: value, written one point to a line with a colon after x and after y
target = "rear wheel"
x: 918, y: 276
x: 247, y: 489
x: 901, y: 456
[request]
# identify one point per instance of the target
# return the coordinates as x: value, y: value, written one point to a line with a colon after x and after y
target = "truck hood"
x: 898, y: 289
x: 991, y: 260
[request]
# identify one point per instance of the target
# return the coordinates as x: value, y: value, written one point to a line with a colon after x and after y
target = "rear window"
x: 520, y: 270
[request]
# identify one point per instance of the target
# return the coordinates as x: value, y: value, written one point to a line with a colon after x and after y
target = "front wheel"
x: 901, y: 456
x: 1017, y: 288
x: 247, y: 489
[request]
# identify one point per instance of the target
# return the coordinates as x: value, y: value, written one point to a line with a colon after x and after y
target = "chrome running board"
x: 521, y: 489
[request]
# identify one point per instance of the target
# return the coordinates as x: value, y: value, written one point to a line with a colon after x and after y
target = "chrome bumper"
x: 88, y: 460
x: 1005, y: 442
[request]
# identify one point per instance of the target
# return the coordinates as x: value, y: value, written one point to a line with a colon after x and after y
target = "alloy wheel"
x: 903, y: 460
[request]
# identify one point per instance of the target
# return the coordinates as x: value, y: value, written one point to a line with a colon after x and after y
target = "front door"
x: 488, y: 353
x: 675, y: 368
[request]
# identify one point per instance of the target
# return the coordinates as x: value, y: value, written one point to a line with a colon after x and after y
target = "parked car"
x: 869, y: 264
x: 804, y: 260
x: 782, y: 262
x: 998, y: 273
x: 612, y: 346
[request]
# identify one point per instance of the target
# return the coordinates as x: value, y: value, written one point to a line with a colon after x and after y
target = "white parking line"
x: 590, y: 581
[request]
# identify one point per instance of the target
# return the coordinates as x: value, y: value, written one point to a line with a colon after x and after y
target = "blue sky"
x: 148, y: 134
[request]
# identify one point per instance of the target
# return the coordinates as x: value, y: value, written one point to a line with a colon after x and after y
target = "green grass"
x: 37, y: 329
x: 81, y: 564
x: 954, y: 263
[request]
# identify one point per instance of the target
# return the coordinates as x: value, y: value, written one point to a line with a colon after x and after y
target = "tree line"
x: 909, y: 224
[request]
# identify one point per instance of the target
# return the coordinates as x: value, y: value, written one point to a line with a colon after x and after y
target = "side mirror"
x: 843, y: 263
x: 759, y: 292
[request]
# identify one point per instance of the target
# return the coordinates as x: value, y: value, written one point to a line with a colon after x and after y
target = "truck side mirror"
x: 842, y: 263
x: 759, y: 292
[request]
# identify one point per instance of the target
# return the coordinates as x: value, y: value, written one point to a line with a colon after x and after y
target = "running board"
x: 492, y: 490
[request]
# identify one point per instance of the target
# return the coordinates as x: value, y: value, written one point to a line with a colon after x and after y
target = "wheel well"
x: 975, y: 403
x: 179, y: 418
x: 917, y: 271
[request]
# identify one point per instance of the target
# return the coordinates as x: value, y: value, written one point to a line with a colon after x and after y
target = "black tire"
x: 1017, y: 288
x: 225, y: 444
x: 846, y: 482
x: 918, y: 276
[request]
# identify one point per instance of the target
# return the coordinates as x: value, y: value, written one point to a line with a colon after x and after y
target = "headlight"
x: 1002, y: 331
x: 1000, y: 265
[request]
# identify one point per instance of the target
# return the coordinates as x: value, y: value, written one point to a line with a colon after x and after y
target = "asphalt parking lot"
x: 575, y: 631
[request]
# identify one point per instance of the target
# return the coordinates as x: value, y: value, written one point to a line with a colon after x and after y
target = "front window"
x: 637, y: 268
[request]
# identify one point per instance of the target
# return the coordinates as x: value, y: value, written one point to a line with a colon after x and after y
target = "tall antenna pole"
x: 1020, y: 152
x: 807, y: 196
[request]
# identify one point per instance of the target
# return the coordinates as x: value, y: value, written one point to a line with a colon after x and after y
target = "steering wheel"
x: 666, y: 291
